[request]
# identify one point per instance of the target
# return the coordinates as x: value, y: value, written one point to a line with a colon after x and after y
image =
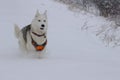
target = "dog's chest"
x: 38, y: 40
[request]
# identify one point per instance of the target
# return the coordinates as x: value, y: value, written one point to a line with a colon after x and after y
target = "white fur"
x: 17, y: 30
x: 35, y: 27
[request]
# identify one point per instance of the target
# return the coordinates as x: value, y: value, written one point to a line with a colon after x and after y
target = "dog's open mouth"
x: 38, y: 34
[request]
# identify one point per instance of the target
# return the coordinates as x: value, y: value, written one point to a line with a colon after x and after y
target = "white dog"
x: 33, y: 37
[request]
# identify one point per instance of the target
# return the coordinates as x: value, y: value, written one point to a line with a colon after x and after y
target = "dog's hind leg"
x: 22, y: 43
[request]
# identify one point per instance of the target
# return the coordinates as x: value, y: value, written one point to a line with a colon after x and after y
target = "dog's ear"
x: 45, y: 13
x: 37, y: 13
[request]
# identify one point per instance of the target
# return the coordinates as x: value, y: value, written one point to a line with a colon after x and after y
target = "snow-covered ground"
x: 72, y: 53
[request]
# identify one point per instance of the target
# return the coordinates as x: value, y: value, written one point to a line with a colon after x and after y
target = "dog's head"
x: 39, y: 23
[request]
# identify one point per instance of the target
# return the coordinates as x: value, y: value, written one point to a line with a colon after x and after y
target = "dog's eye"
x: 44, y: 20
x: 39, y: 20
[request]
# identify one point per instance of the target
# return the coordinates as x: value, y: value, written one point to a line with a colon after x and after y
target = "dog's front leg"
x: 43, y: 53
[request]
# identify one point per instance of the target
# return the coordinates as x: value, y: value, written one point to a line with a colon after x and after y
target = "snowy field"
x: 72, y: 54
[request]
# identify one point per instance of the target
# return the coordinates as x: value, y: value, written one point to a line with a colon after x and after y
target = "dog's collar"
x: 38, y: 34
x: 38, y: 47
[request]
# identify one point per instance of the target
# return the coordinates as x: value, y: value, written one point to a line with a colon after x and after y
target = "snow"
x: 72, y: 54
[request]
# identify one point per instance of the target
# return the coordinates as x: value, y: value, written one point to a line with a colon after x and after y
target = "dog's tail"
x: 17, y: 30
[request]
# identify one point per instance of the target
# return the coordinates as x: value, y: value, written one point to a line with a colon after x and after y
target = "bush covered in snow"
x: 77, y: 4
x: 107, y: 8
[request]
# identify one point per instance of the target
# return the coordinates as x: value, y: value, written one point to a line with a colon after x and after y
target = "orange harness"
x: 39, y: 47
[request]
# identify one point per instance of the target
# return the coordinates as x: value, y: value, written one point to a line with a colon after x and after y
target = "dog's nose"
x: 43, y: 25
